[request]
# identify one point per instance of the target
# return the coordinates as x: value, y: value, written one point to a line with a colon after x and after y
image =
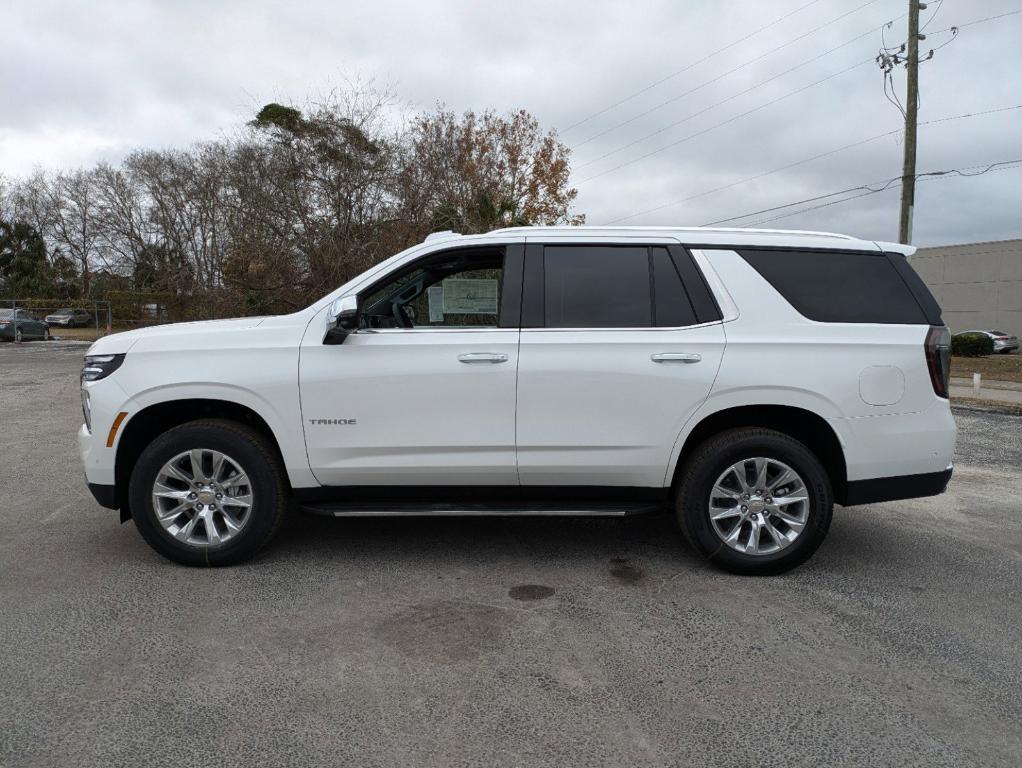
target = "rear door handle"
x: 482, y: 357
x: 675, y: 357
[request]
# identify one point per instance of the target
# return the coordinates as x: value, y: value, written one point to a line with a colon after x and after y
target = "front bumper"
x: 1001, y: 346
x: 97, y: 459
x: 880, y: 489
x: 105, y: 495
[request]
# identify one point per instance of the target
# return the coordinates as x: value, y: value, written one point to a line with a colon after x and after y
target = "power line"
x: 732, y: 71
x: 756, y: 109
x: 687, y: 67
x: 929, y: 21
x: 723, y: 101
x: 725, y: 122
x: 819, y: 156
x: 980, y: 21
x: 1006, y: 166
x: 867, y: 189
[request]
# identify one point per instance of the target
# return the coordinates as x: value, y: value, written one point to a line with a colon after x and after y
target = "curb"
x: 985, y: 406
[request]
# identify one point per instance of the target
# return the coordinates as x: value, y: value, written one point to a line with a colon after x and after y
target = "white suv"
x: 746, y: 379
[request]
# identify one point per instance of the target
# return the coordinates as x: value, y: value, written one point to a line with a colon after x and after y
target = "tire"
x: 711, y: 460
x: 250, y: 453
x: 18, y: 336
x: 46, y: 334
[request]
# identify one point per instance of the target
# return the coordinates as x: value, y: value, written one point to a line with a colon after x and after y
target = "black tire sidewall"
x: 243, y: 445
x: 716, y: 455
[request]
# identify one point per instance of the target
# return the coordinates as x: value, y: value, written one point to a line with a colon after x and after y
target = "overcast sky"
x: 85, y: 81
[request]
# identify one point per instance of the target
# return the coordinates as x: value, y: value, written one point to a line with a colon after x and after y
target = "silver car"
x: 1003, y: 343
x: 70, y: 318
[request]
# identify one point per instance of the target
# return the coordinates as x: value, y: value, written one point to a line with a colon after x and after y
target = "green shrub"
x: 972, y: 345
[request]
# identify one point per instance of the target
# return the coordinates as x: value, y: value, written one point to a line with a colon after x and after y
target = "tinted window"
x: 596, y: 287
x: 672, y: 307
x: 839, y: 287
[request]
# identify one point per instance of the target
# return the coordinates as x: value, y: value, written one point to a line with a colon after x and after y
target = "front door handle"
x: 482, y: 357
x: 675, y: 357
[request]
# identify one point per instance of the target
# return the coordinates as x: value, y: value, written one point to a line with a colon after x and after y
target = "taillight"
x: 938, y: 358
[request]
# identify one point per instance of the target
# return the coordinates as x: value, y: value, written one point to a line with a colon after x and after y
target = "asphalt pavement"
x: 526, y: 642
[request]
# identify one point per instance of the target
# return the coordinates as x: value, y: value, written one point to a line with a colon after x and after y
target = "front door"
x: 424, y: 392
x: 620, y: 345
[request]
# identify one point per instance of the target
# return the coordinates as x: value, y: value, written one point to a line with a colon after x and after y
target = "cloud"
x: 94, y: 80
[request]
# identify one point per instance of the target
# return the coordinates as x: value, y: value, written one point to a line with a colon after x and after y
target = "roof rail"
x: 705, y: 230
x: 445, y: 234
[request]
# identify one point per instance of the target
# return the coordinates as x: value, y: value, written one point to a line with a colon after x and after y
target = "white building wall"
x: 978, y: 286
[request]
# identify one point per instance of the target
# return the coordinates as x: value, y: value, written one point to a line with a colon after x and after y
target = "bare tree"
x: 296, y: 202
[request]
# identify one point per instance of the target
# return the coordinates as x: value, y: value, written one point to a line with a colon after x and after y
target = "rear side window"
x: 597, y: 287
x: 671, y: 305
x: 839, y: 287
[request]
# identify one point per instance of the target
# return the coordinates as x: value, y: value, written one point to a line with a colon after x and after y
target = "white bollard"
x: 975, y: 384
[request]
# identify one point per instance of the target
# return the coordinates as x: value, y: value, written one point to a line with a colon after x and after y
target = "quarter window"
x: 836, y: 287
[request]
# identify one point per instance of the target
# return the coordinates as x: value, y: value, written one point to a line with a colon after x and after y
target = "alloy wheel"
x: 759, y: 506
x: 202, y: 497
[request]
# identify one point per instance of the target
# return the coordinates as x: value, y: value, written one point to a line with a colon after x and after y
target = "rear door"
x: 620, y: 344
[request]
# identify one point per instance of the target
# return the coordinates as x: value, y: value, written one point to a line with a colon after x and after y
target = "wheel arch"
x: 143, y: 427
x: 809, y: 428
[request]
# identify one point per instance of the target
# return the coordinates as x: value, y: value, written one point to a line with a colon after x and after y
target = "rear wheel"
x: 208, y: 492
x: 754, y: 501
x: 17, y: 335
x: 46, y: 334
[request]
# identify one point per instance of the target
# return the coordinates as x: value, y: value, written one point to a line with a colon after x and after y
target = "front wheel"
x: 208, y: 493
x: 754, y: 501
x: 46, y: 334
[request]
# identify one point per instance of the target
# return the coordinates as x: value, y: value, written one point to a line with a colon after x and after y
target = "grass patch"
x: 995, y: 367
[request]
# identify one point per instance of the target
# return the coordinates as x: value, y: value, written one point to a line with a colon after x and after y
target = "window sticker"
x: 477, y: 296
x: 435, y: 295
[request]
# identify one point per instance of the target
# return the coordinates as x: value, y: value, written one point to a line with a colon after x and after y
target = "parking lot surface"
x: 501, y: 642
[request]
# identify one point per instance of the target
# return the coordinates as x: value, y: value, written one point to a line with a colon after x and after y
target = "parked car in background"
x: 1003, y: 343
x: 747, y: 380
x: 70, y: 318
x: 19, y: 325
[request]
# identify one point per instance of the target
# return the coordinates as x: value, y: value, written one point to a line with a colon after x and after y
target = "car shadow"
x: 486, y: 538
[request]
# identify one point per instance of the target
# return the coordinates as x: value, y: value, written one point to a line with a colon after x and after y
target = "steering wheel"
x: 401, y: 316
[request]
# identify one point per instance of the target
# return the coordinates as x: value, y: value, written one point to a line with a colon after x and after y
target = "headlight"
x: 86, y: 409
x: 100, y: 366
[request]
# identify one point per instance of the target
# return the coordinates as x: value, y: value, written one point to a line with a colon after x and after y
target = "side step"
x: 511, y: 509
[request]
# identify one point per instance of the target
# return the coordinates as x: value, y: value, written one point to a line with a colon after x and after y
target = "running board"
x: 523, y: 509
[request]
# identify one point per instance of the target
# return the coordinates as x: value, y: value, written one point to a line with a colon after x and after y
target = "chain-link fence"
x: 24, y: 320
x: 89, y: 319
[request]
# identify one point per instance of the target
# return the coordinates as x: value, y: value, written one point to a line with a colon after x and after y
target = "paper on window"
x: 475, y: 296
x: 435, y: 296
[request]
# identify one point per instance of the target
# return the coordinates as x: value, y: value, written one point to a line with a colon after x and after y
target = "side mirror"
x: 343, y: 319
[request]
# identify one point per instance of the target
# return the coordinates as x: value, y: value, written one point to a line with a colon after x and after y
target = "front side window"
x: 458, y: 289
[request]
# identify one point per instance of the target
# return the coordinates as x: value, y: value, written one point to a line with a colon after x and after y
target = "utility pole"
x: 908, y: 172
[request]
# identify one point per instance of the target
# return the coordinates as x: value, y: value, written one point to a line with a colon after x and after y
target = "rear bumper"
x: 893, y: 488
